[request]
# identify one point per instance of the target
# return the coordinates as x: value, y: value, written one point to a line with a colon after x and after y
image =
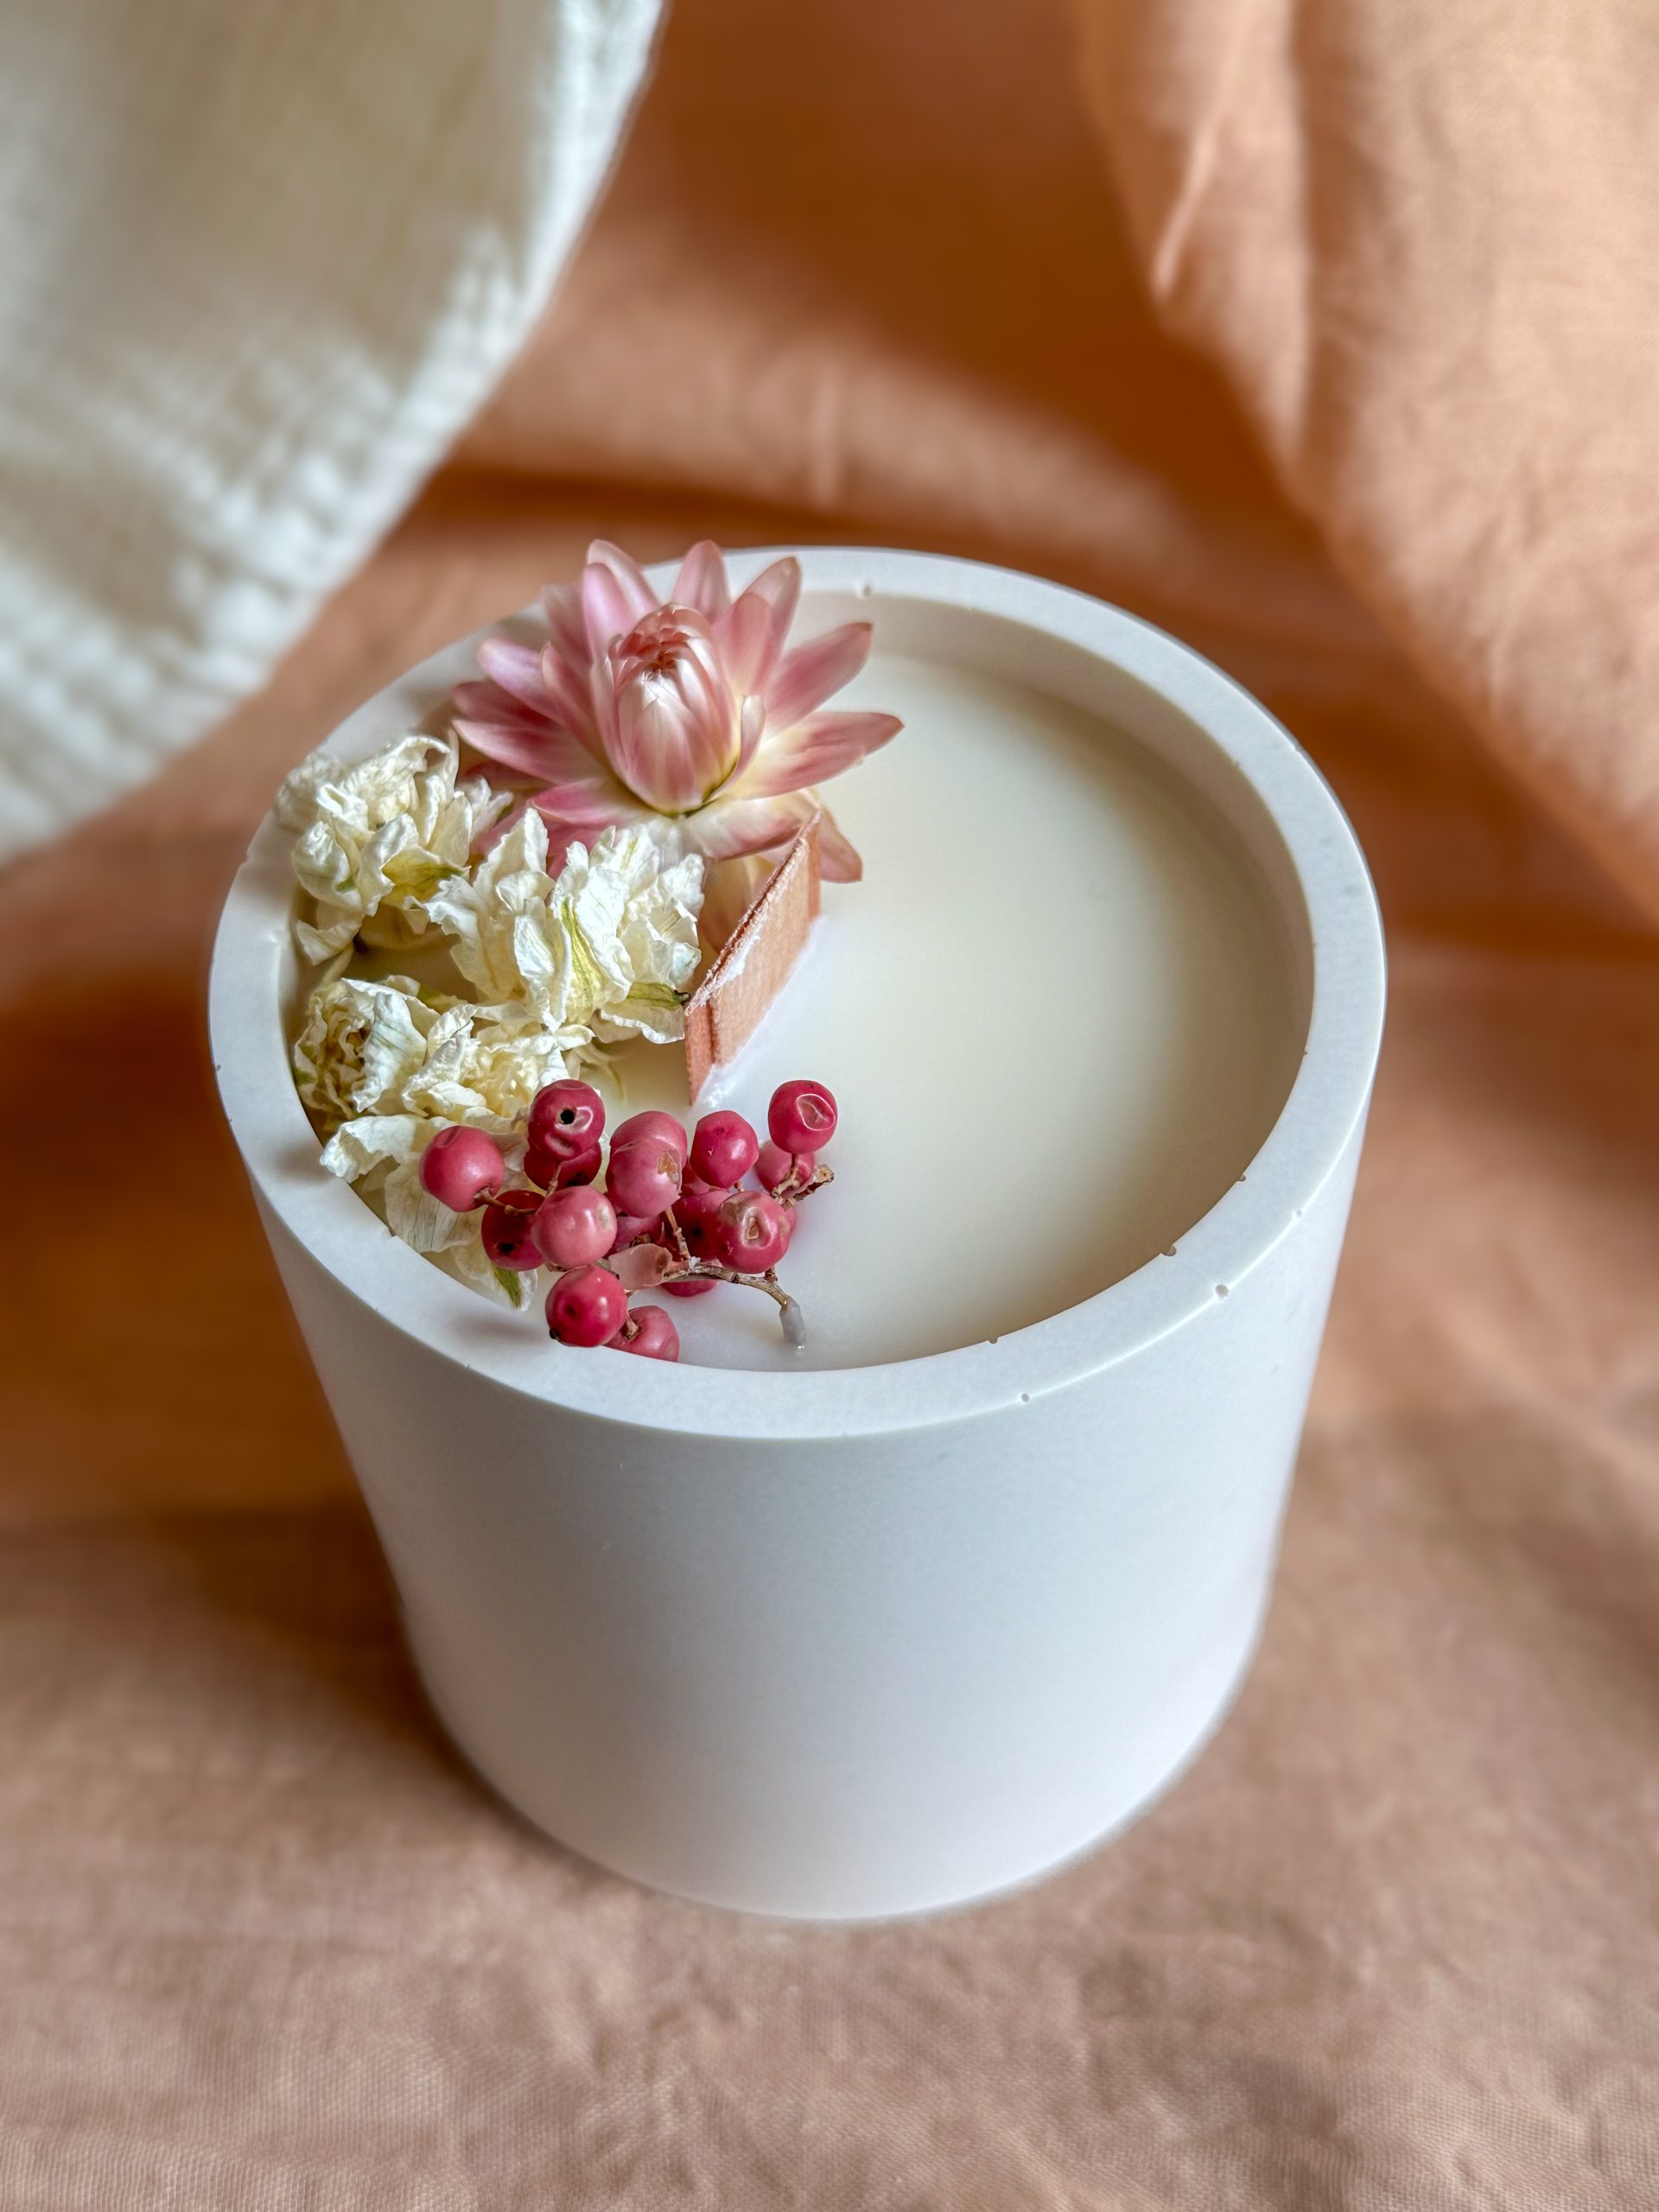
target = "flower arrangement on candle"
x: 687, y: 710
x: 676, y: 1214
x: 487, y: 941
x: 530, y: 975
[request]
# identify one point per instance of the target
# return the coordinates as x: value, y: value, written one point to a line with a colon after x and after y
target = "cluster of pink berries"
x: 676, y: 1214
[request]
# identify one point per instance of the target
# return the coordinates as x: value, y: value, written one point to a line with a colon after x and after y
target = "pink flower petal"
x: 821, y: 747
x: 672, y: 732
x: 701, y: 582
x: 752, y: 635
x: 569, y: 698
x: 518, y: 670
x: 729, y: 828
x: 541, y: 751
x: 838, y: 861
x: 582, y: 808
x: 561, y: 604
x: 665, y: 748
x: 601, y: 692
x: 607, y: 613
x: 502, y: 744
x: 488, y: 703
x: 807, y: 677
x: 750, y: 728
x: 629, y: 575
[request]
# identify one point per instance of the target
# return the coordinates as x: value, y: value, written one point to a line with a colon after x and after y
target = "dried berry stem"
x: 789, y: 1192
x: 712, y: 1271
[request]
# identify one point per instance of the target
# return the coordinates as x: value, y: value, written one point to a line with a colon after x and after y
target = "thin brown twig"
x: 712, y: 1271
x: 789, y: 1192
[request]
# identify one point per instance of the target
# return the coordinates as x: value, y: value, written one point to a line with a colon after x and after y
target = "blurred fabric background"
x: 1323, y: 335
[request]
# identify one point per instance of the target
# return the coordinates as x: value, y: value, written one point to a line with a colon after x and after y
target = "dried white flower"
x: 504, y: 935
x: 376, y: 839
x: 376, y: 1053
x: 558, y: 965
x: 631, y: 907
x: 360, y: 1043
x: 611, y: 942
x: 384, y: 1072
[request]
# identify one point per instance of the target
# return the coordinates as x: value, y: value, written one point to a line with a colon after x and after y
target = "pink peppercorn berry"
x: 753, y: 1231
x: 723, y: 1147
x: 655, y: 1336
x: 556, y: 1175
x: 655, y: 1127
x: 695, y: 1210
x: 574, y: 1228
x: 459, y: 1166
x: 802, y: 1116
x: 587, y: 1307
x: 506, y: 1235
x: 566, y: 1120
x: 774, y: 1166
x: 643, y: 1175
x: 630, y: 1227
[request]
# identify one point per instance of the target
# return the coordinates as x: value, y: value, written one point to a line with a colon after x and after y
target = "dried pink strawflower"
x: 689, y: 708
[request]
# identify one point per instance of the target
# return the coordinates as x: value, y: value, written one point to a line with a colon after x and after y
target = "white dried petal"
x: 376, y: 1050
x: 360, y: 1045
x: 385, y: 833
x: 611, y: 942
x: 372, y: 1140
x: 506, y: 939
x: 636, y: 883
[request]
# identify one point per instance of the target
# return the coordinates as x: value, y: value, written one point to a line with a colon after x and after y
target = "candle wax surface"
x: 1056, y: 1015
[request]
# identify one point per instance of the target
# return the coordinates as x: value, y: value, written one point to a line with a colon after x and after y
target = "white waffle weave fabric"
x: 260, y: 260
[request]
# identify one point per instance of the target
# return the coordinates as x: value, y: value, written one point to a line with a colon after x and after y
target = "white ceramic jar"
x: 856, y: 1643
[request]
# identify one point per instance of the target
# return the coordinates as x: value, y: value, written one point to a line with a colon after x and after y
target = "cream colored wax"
x: 1056, y: 1015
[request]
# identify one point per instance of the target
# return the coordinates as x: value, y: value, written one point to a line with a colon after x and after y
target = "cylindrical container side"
x: 854, y: 1642
x: 847, y: 1677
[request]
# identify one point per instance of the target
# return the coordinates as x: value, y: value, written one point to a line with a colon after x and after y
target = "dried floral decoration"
x: 664, y: 825
x: 676, y: 1214
x: 687, y: 709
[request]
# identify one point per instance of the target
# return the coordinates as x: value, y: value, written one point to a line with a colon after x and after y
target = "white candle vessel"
x: 869, y: 1632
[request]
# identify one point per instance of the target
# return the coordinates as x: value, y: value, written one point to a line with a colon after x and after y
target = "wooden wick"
x: 754, y: 964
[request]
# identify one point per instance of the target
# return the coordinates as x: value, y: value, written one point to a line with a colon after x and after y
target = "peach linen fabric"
x: 1425, y: 241
x: 1392, y: 1946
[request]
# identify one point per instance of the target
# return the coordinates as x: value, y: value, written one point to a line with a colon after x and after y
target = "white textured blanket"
x: 259, y: 261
